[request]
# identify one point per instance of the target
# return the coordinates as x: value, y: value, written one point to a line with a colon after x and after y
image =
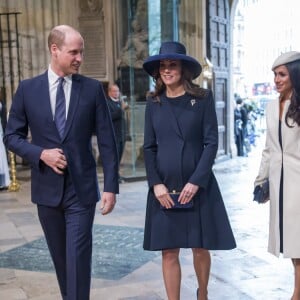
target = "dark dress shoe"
x: 197, y: 293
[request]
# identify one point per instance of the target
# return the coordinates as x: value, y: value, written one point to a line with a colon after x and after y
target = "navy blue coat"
x: 178, y: 150
x: 88, y: 113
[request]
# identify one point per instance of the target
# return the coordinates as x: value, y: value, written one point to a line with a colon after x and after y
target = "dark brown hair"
x: 294, y: 108
x: 188, y: 85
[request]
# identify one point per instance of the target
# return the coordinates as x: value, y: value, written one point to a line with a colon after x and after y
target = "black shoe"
x: 197, y: 293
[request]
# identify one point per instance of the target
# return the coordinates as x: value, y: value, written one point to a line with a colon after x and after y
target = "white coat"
x: 274, y: 158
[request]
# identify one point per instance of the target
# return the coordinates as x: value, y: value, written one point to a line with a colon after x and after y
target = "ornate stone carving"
x: 136, y: 48
x: 92, y: 27
x: 91, y: 7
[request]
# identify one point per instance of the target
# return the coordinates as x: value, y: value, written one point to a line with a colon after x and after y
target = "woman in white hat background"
x: 185, y: 208
x: 280, y: 162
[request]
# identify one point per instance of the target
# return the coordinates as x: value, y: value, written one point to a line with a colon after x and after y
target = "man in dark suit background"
x: 64, y: 182
x: 116, y: 107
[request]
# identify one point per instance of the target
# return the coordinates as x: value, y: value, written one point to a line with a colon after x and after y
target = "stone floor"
x: 122, y: 270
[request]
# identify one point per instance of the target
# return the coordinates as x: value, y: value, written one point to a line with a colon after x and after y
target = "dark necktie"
x: 60, y: 107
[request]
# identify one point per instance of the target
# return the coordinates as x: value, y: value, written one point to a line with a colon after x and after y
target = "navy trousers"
x: 68, y: 231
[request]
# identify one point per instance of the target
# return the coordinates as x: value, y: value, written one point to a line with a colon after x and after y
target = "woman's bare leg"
x: 171, y: 273
x: 202, y: 264
x: 296, y: 294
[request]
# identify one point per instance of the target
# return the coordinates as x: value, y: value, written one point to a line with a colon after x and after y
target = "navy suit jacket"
x: 88, y: 113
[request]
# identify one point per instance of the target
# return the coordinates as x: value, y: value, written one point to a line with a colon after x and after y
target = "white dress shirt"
x: 53, y: 83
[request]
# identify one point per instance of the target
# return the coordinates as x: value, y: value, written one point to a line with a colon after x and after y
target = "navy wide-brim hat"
x: 172, y: 50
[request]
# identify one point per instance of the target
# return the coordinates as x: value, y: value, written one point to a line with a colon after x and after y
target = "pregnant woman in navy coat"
x: 180, y: 146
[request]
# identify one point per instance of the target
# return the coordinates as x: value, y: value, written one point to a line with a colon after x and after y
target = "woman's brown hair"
x: 294, y: 108
x: 191, y: 88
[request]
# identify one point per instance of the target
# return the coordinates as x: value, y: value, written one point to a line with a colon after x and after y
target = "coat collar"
x: 44, y: 98
x: 171, y: 115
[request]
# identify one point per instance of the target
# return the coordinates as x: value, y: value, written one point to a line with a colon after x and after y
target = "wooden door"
x: 218, y: 53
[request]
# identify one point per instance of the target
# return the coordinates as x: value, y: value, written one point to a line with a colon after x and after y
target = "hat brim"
x: 151, y: 64
x: 286, y: 58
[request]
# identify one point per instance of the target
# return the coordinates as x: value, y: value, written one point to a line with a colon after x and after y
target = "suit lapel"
x: 45, y: 102
x: 74, y: 99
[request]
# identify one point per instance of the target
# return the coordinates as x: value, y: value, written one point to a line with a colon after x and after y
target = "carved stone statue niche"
x: 90, y: 7
x: 92, y: 27
x: 134, y: 53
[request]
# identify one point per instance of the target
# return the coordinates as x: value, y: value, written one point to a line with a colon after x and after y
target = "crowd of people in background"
x: 246, y: 115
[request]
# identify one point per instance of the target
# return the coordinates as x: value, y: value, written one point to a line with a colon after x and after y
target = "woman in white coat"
x: 281, y: 163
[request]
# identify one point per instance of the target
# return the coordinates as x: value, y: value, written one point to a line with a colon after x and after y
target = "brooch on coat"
x: 193, y: 101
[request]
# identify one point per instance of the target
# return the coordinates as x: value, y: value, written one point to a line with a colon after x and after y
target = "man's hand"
x: 108, y: 201
x: 55, y: 159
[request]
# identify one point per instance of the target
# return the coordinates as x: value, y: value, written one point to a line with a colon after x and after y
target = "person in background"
x: 63, y: 109
x: 238, y: 131
x: 185, y: 208
x: 280, y: 162
x: 251, y: 124
x: 117, y: 106
x: 4, y: 170
x: 240, y: 126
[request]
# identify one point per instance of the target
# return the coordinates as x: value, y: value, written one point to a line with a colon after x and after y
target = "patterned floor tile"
x: 117, y: 251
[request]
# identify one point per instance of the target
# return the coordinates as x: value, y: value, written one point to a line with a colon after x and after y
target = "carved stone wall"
x: 133, y: 79
x: 35, y: 20
x: 93, y: 29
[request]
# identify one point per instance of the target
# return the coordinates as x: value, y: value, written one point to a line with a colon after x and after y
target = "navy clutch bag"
x: 175, y: 196
x: 261, y: 192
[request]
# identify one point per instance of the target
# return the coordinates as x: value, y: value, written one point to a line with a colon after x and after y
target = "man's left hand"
x: 108, y: 201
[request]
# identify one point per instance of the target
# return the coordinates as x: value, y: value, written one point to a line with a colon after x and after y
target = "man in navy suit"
x: 64, y: 181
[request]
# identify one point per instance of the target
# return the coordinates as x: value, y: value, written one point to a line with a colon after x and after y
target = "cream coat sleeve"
x: 263, y: 172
